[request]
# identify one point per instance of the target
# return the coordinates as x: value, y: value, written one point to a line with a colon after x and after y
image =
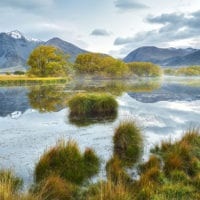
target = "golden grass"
x: 25, y: 80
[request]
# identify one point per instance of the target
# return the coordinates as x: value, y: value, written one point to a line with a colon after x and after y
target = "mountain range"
x: 15, y: 49
x: 165, y: 56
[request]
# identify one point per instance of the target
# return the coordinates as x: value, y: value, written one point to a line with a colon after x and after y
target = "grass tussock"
x: 9, y: 185
x: 153, y: 161
x: 54, y: 187
x: 108, y: 191
x: 182, y: 155
x: 66, y: 161
x: 171, y: 173
x: 128, y: 142
x: 90, y: 105
x: 116, y: 172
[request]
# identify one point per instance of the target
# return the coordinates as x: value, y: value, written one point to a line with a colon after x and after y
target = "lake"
x: 32, y: 119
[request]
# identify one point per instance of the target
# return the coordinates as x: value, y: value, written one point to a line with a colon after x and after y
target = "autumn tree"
x: 100, y: 64
x: 45, y: 61
x: 144, y: 69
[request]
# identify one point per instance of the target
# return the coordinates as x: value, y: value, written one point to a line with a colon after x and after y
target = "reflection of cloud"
x: 100, y: 32
x: 129, y: 5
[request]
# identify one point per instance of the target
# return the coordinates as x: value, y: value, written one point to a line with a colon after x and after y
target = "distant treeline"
x: 183, y: 71
x: 103, y: 65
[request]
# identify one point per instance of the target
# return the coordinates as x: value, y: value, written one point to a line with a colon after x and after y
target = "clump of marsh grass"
x: 182, y: 155
x: 66, y: 161
x: 54, y: 187
x: 128, y: 142
x: 9, y: 185
x: 116, y: 172
x: 107, y: 190
x: 92, y: 105
x: 153, y: 161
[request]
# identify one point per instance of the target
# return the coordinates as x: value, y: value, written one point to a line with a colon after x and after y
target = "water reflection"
x: 13, y: 100
x: 48, y: 98
x: 117, y: 87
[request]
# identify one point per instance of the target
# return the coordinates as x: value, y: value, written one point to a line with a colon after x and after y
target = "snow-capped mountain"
x: 15, y: 49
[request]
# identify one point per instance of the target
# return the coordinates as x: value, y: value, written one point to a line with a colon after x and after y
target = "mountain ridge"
x: 15, y: 49
x: 165, y: 56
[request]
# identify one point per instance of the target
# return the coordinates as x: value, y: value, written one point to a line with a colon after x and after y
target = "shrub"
x: 90, y: 105
x: 128, y: 142
x: 144, y: 69
x: 66, y: 161
x: 100, y: 65
x: 19, y: 72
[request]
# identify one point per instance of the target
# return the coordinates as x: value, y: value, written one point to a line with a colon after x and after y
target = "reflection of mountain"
x: 12, y: 100
x: 168, y: 92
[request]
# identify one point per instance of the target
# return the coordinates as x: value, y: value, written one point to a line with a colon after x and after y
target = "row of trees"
x: 47, y: 61
x: 184, y: 71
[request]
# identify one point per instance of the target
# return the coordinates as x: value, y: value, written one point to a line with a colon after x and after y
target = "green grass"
x: 88, y: 105
x: 66, y: 161
x: 183, y: 155
x: 171, y: 173
x: 116, y: 172
x: 128, y: 142
x: 107, y: 190
x: 54, y: 187
x: 9, y: 185
x: 16, y: 80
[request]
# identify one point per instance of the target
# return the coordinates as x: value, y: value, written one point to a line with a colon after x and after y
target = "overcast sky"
x: 108, y: 26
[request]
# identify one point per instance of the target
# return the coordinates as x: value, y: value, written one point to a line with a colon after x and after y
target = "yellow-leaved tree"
x: 47, y: 61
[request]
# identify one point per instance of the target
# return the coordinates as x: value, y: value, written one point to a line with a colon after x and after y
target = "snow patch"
x: 15, y: 34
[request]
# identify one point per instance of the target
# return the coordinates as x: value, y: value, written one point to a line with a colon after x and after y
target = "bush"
x: 92, y: 105
x: 100, y: 65
x: 66, y: 161
x: 128, y: 142
x: 19, y: 72
x: 184, y: 71
x: 144, y: 69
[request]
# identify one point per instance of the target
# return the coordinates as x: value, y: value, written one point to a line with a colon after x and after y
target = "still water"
x: 32, y: 119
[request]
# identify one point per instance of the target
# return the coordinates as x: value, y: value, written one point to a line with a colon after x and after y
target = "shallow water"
x: 33, y: 119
